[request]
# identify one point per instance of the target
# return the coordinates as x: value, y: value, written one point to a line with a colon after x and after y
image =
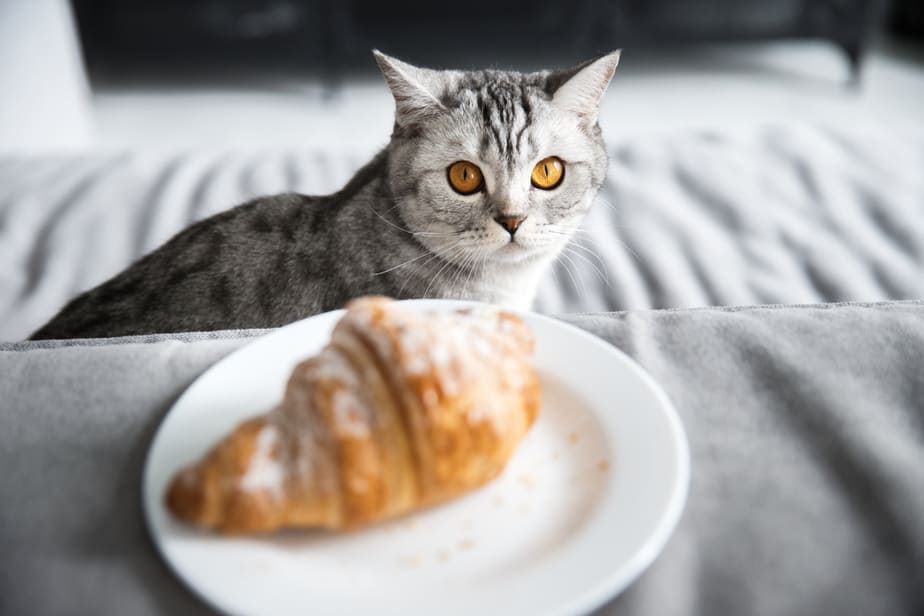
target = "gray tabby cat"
x: 485, y: 179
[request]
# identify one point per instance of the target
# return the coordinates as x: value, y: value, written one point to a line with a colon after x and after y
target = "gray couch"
x: 806, y: 419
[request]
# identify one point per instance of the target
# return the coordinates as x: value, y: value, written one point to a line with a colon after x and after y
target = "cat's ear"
x: 579, y: 89
x: 416, y: 90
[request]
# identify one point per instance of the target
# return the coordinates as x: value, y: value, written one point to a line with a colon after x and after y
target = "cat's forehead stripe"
x: 506, y: 114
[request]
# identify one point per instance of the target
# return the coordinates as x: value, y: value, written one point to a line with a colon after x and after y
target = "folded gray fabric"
x: 806, y: 427
x: 75, y: 426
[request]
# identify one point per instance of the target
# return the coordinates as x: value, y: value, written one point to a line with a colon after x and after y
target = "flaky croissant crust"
x: 400, y: 411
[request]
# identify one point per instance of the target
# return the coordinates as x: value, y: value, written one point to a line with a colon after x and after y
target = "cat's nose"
x: 510, y: 223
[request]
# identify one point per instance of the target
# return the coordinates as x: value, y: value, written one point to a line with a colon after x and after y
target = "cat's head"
x: 493, y: 166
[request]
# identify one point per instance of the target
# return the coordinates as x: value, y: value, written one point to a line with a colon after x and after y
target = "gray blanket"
x: 781, y: 216
x: 806, y: 428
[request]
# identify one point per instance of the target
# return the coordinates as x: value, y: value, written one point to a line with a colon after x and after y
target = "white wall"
x: 44, y: 96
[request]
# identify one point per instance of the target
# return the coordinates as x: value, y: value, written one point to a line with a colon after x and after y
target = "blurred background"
x: 253, y: 73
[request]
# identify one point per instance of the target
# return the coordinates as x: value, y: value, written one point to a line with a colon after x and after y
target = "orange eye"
x: 465, y: 177
x: 548, y: 173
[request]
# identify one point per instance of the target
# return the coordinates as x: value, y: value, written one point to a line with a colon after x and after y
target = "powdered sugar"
x: 480, y: 347
x: 348, y: 419
x: 455, y: 346
x: 461, y: 350
x: 265, y: 471
x: 486, y: 410
x: 332, y: 365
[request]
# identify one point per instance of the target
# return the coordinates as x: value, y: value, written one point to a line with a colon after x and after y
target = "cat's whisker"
x: 432, y: 234
x: 460, y: 269
x: 574, y: 232
x: 574, y: 282
x: 472, y: 270
x: 553, y: 230
x: 563, y: 230
x: 615, y: 210
x: 608, y: 204
x: 631, y: 250
x: 446, y: 252
x: 576, y: 242
x: 400, y: 265
x: 436, y: 253
x: 621, y: 242
x: 393, y: 207
x: 449, y: 261
x: 576, y: 277
x: 581, y: 282
x: 468, y: 270
x: 591, y: 257
x: 469, y: 274
x: 388, y: 222
x: 603, y: 277
x: 587, y: 249
x: 432, y: 254
x: 416, y: 268
x: 484, y: 266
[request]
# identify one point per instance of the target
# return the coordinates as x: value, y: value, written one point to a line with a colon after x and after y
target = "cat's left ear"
x: 579, y: 89
x: 416, y: 90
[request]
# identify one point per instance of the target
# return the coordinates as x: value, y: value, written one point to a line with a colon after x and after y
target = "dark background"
x: 332, y: 37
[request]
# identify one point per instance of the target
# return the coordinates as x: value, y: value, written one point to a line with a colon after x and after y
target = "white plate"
x: 583, y: 507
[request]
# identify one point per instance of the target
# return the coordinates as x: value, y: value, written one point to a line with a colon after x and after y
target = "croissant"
x: 400, y: 411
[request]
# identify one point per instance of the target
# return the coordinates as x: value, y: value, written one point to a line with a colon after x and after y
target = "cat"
x: 486, y: 177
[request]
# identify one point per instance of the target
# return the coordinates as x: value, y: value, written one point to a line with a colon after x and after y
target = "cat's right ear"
x: 416, y: 90
x: 579, y: 89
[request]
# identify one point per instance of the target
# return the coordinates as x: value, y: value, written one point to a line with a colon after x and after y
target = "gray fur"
x: 396, y: 229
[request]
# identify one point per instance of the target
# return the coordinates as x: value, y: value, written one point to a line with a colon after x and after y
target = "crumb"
x: 556, y: 455
x: 603, y: 466
x: 573, y: 438
x: 410, y: 562
x: 442, y: 555
x: 467, y: 544
x: 498, y: 501
x: 527, y: 480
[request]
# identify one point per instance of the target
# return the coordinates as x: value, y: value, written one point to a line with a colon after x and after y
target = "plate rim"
x: 606, y: 588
